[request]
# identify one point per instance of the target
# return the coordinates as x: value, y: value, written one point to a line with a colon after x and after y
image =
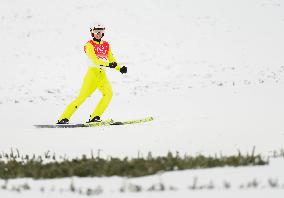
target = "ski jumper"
x: 100, y: 56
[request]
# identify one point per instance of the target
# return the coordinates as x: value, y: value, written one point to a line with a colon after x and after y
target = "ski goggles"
x: 97, y: 31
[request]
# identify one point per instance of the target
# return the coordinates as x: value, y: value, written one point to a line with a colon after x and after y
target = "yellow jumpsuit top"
x: 100, y: 56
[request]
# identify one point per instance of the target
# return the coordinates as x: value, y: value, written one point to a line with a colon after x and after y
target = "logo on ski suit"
x: 101, y: 50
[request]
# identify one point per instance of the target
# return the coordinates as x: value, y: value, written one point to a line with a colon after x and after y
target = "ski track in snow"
x: 210, y: 73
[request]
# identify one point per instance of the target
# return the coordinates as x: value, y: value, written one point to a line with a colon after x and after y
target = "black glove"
x: 123, y: 70
x: 112, y: 65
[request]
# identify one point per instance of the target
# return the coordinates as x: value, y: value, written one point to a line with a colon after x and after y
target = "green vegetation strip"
x: 16, y: 166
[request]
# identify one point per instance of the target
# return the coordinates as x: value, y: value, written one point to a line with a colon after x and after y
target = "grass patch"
x: 13, y: 165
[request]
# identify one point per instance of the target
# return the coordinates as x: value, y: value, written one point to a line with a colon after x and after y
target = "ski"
x: 108, y: 122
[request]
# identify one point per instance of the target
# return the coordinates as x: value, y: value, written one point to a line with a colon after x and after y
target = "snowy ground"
x: 211, y: 74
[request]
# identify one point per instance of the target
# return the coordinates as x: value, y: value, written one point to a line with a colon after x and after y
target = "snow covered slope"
x: 207, y: 71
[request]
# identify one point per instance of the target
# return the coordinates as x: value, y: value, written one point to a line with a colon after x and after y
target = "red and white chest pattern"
x: 101, y: 50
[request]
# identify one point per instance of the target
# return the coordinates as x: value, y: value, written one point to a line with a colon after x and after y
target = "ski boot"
x: 63, y: 121
x: 95, y: 119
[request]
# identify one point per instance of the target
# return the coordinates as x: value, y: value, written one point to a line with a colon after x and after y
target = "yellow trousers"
x: 94, y: 79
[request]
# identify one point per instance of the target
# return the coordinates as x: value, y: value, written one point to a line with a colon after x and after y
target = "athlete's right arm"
x: 89, y: 49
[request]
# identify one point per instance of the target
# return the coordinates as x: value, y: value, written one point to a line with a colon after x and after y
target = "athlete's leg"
x: 106, y: 90
x: 88, y: 87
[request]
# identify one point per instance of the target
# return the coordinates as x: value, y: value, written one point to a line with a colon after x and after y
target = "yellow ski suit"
x: 100, y: 55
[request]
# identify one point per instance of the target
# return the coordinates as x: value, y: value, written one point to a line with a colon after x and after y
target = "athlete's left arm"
x: 112, y: 59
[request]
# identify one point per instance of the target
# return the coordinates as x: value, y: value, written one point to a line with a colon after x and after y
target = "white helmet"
x: 96, y: 28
